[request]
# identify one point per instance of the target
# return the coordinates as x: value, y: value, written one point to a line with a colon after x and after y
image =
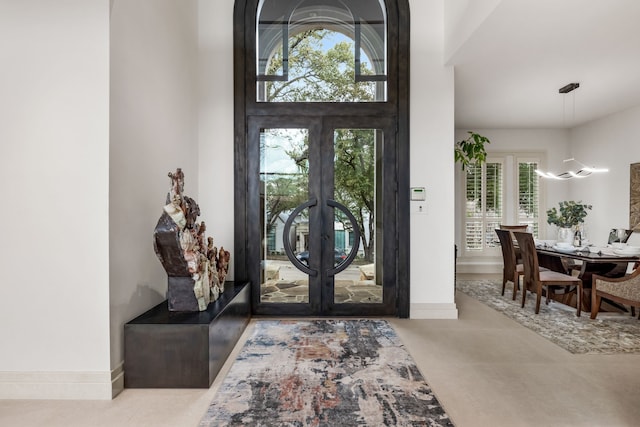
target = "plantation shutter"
x: 483, y: 205
x: 528, y: 194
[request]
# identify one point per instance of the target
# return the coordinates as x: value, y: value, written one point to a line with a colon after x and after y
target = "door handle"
x: 356, y: 241
x: 287, y: 241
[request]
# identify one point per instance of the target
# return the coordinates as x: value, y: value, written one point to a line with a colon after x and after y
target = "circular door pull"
x: 356, y: 240
x: 287, y: 241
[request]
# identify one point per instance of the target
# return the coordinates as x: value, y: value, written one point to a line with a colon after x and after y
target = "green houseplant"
x: 569, y: 215
x: 471, y: 150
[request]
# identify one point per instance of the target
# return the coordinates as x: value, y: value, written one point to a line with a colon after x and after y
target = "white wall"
x: 54, y: 161
x: 461, y: 19
x: 215, y: 126
x: 154, y: 122
x: 432, y: 133
x: 610, y: 142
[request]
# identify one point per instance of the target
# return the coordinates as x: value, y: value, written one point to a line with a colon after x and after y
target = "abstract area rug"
x: 609, y: 333
x: 324, y: 373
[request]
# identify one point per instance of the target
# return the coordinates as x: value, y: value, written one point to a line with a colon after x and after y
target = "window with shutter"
x: 488, y: 203
x: 528, y: 194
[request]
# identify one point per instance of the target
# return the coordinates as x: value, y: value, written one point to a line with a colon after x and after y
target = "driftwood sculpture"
x: 196, y: 270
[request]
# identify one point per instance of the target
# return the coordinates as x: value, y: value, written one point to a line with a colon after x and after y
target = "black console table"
x: 164, y: 349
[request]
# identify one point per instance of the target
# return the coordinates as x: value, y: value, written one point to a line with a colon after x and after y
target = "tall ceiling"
x: 509, y: 68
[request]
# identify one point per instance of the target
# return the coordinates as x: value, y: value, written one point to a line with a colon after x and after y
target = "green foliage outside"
x: 354, y: 179
x: 320, y: 74
x: 492, y: 189
x: 528, y: 190
x: 283, y: 189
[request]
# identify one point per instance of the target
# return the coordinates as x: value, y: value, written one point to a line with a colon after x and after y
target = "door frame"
x: 321, y: 188
x: 397, y: 105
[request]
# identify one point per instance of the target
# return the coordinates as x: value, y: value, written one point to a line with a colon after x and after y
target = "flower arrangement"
x: 569, y: 215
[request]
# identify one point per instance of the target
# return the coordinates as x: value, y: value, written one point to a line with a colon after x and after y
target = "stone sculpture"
x: 195, y: 270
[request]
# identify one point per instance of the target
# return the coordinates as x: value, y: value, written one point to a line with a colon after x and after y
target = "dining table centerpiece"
x: 568, y: 217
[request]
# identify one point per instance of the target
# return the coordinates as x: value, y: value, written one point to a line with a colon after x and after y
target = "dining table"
x: 606, y: 262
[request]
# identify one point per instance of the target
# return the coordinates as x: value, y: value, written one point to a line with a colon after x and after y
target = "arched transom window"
x: 321, y: 51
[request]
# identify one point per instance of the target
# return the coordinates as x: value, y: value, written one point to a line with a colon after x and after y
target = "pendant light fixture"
x: 584, y: 170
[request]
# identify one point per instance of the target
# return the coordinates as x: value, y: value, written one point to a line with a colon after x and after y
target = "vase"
x: 566, y: 235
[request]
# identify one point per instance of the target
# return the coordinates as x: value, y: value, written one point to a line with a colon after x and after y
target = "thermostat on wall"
x: 418, y: 193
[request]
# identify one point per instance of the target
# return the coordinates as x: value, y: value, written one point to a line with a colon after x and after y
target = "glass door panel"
x: 325, y: 187
x: 284, y: 183
x: 355, y: 177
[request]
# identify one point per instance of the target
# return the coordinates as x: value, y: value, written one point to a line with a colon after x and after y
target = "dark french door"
x: 324, y: 241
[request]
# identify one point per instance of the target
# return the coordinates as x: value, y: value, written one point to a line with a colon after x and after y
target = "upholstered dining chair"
x: 623, y: 290
x: 552, y: 281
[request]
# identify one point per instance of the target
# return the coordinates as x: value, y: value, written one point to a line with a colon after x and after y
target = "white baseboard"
x: 467, y: 267
x: 433, y: 311
x: 117, y: 380
x: 61, y: 385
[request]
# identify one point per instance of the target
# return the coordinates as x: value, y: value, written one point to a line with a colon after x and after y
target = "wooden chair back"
x: 512, y: 228
x: 529, y: 257
x: 519, y: 227
x: 508, y: 250
x: 510, y: 270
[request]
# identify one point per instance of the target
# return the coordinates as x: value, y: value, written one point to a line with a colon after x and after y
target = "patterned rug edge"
x: 610, y: 333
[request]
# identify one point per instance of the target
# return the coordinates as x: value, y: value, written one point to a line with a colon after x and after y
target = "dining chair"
x: 623, y: 290
x: 511, y: 270
x: 619, y: 235
x: 518, y: 227
x: 551, y: 281
x: 512, y: 228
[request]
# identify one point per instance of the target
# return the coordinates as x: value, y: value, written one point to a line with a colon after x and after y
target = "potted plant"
x: 471, y: 150
x: 567, y: 218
